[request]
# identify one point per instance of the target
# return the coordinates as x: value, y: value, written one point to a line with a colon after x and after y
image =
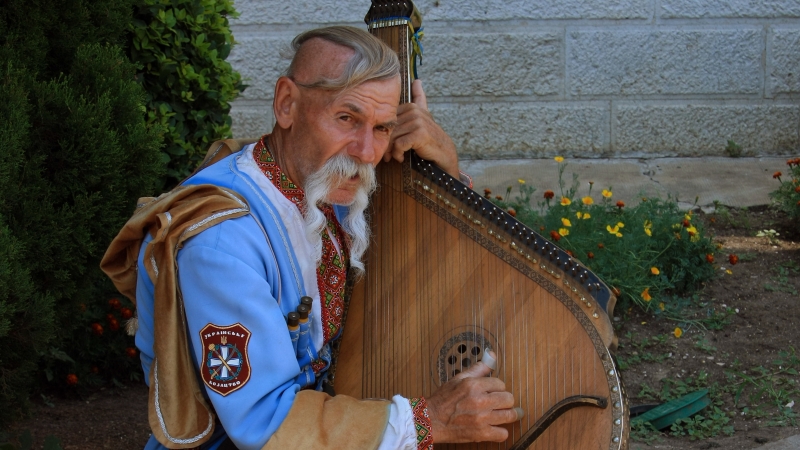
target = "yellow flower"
x: 586, y: 216
x: 728, y: 271
x: 563, y: 231
x: 521, y: 181
x: 612, y: 230
x: 559, y: 159
x: 578, y: 214
x: 654, y: 270
x: 619, y: 234
x: 648, y: 225
x: 566, y: 222
x: 648, y: 232
x: 678, y: 332
x: 661, y: 306
x: 646, y: 294
x: 620, y: 224
x: 565, y: 201
x: 587, y: 200
x: 607, y: 193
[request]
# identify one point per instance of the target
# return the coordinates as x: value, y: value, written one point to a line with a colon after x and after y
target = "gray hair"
x: 373, y: 60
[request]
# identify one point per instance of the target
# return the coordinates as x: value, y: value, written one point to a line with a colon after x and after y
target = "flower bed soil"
x: 767, y: 322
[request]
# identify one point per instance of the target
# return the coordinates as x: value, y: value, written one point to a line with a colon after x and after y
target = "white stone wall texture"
x: 578, y: 78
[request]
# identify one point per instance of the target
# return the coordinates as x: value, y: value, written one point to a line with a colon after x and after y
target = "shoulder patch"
x: 226, y: 366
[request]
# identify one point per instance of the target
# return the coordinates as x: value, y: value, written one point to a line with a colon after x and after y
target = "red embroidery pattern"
x: 332, y: 271
x: 422, y: 423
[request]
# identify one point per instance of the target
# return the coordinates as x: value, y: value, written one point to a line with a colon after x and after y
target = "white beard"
x: 319, y: 186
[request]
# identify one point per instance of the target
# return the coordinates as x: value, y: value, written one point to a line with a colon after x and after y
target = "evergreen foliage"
x: 76, y: 155
x: 181, y: 46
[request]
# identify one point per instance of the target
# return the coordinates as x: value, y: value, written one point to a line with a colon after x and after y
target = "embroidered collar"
x: 266, y: 162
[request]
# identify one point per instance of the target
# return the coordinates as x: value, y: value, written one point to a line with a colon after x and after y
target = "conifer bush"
x: 181, y: 46
x: 76, y: 154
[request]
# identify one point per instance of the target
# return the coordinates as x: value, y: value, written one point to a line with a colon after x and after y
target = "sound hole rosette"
x: 459, y: 349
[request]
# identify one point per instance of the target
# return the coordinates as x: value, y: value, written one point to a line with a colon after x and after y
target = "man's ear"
x: 285, y: 104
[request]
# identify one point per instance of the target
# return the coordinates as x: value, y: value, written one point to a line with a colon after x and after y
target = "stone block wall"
x: 578, y: 78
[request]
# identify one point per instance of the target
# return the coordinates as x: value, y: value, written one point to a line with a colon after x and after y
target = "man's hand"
x: 417, y: 130
x: 469, y: 407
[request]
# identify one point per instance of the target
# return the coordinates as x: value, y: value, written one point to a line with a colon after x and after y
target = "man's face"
x: 357, y: 123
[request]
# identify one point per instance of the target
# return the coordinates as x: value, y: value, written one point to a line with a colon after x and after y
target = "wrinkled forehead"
x: 317, y: 59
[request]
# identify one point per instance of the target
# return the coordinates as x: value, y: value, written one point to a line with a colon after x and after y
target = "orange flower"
x: 512, y: 212
x: 646, y: 294
x: 131, y: 352
x: 72, y: 379
x: 114, y: 303
x: 678, y: 332
x: 620, y: 204
x: 126, y: 313
x: 565, y: 201
x: 710, y: 258
x: 600, y: 245
x: 499, y: 197
x: 113, y: 325
x: 487, y: 192
x: 777, y: 175
x: 555, y: 236
x: 590, y: 255
x: 559, y: 158
x: 685, y: 223
x: 549, y: 194
x: 797, y: 189
x: 587, y: 200
x: 97, y: 329
x: 654, y: 270
x: 606, y: 193
x: 569, y: 252
x: 733, y: 259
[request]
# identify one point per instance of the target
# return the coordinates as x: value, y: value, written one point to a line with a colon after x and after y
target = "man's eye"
x: 345, y: 118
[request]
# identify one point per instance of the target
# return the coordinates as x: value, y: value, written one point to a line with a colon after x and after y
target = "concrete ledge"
x: 701, y: 9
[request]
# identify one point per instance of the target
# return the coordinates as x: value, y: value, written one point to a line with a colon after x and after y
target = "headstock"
x: 388, y: 9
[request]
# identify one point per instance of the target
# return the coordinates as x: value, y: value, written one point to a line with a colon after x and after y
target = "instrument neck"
x: 397, y: 33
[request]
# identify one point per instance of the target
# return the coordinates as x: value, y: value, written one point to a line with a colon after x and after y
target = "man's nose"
x: 363, y: 149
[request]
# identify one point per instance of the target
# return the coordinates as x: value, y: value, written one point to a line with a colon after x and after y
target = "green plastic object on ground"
x: 665, y: 415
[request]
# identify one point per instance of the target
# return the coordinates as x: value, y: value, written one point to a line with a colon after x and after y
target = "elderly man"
x: 221, y: 265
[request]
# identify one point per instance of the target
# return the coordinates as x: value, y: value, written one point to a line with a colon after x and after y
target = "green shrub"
x: 76, y: 155
x: 181, y: 46
x: 642, y: 252
x: 787, y: 196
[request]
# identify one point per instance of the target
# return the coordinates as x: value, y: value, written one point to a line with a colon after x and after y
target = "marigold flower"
x: 554, y: 235
x: 777, y: 175
x: 512, y: 212
x: 661, y: 306
x: 559, y: 158
x: 586, y: 216
x: 110, y: 317
x: 72, y: 379
x: 520, y: 181
x: 620, y: 204
x: 590, y: 255
x: 612, y: 230
x: 487, y: 192
x: 114, y: 303
x: 798, y: 203
x: 797, y: 189
x: 587, y: 200
x: 691, y: 230
x: 113, y: 325
x: 126, y: 313
x: 97, y: 329
x: 131, y: 352
x: 654, y: 270
x: 606, y: 193
x: 600, y: 245
x: 678, y: 332
x: 569, y: 252
x: 648, y: 231
x: 620, y: 224
x: 710, y: 258
x: 566, y: 222
x: 499, y: 197
x: 733, y: 259
x: 565, y: 201
x: 685, y: 223
x: 563, y: 231
x: 541, y: 228
x: 549, y: 194
x: 646, y: 294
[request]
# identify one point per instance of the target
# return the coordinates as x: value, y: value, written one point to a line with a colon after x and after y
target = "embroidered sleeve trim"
x: 422, y: 423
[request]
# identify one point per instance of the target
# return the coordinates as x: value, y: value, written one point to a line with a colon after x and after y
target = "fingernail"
x: 489, y: 359
x: 520, y: 413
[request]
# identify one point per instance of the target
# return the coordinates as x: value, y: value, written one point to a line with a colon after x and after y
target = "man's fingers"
x: 418, y: 95
x: 477, y: 370
x: 501, y: 416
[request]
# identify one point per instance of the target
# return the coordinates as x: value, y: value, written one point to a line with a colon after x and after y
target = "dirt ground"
x: 760, y: 293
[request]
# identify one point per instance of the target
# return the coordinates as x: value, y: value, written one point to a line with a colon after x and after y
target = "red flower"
x: 512, y: 212
x: 797, y: 189
x: 110, y: 317
x: 549, y: 194
x: 113, y: 325
x: 541, y: 228
x: 620, y: 204
x: 72, y: 379
x: 733, y: 259
x: 114, y: 303
x: 777, y: 175
x: 590, y: 255
x: 600, y: 245
x: 131, y: 352
x: 126, y: 313
x: 685, y: 223
x: 499, y: 197
x: 555, y: 236
x: 97, y: 329
x: 487, y: 193
x: 569, y: 252
x: 710, y: 258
